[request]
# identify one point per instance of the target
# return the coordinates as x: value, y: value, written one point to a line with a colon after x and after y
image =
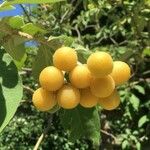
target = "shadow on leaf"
x: 3, y: 106
x: 8, y: 73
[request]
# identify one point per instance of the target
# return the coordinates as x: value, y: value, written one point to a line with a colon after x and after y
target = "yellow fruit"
x: 68, y: 97
x: 87, y: 98
x: 80, y: 76
x: 111, y: 102
x: 102, y: 87
x: 100, y: 64
x: 65, y: 58
x: 121, y: 72
x: 43, y: 100
x: 51, y: 78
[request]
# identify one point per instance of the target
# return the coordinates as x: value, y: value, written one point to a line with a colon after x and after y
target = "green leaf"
x: 146, y: 51
x: 4, y: 28
x: 142, y: 121
x: 140, y: 89
x: 15, y: 47
x: 10, y: 89
x: 8, y: 7
x: 32, y: 29
x: 63, y: 39
x: 13, y: 2
x: 42, y: 60
x: 128, y: 54
x: 82, y: 52
x: 20, y: 64
x: 124, y: 144
x: 44, y: 56
x: 82, y: 122
x: 133, y: 138
x: 67, y: 40
x: 147, y: 2
x: 55, y: 42
x: 140, y: 21
x: 16, y: 22
x: 138, y: 145
x: 135, y: 101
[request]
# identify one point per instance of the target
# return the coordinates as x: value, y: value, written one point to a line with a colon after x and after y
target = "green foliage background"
x: 121, y: 28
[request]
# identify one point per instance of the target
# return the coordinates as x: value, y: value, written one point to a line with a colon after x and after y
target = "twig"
x: 74, y: 8
x: 63, y: 17
x: 97, y: 42
x: 22, y: 72
x: 109, y: 134
x: 124, y: 42
x: 78, y: 33
x: 26, y: 13
x: 39, y: 141
x: 143, y: 138
x: 29, y: 6
x: 43, y: 134
x: 114, y: 41
x: 138, y: 32
x: 27, y: 69
x: 26, y: 101
x: 28, y: 36
x: 28, y: 89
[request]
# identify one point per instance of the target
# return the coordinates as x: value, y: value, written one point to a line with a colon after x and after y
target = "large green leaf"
x: 32, y: 29
x: 82, y: 122
x: 16, y: 22
x: 66, y: 40
x: 20, y: 64
x: 15, y: 47
x: 42, y: 60
x: 13, y: 2
x: 8, y: 7
x: 55, y: 42
x: 44, y: 55
x: 4, y: 29
x: 10, y: 89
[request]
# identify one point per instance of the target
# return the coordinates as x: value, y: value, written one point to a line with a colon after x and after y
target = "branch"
x: 63, y: 17
x: 26, y: 101
x: 78, y: 34
x: 27, y: 69
x: 143, y: 138
x: 26, y: 13
x: 39, y: 142
x: 22, y: 73
x: 43, y: 134
x: 27, y: 88
x: 73, y: 9
x: 114, y: 42
x: 26, y: 35
x: 138, y: 32
x: 97, y: 42
x: 109, y: 134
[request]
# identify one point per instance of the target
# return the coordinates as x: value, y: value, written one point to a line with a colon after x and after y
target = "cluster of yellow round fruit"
x: 88, y: 84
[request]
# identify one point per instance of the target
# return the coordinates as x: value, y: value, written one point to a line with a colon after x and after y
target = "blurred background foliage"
x: 120, y: 27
